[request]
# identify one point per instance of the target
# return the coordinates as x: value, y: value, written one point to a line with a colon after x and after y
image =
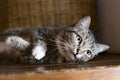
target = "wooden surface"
x: 103, y: 67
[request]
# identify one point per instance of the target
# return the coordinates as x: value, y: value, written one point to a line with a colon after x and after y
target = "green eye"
x: 79, y: 39
x: 88, y: 52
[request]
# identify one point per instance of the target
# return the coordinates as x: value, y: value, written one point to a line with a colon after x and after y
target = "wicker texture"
x: 28, y: 13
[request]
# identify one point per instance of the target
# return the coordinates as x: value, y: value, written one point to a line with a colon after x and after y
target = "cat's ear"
x: 101, y: 47
x: 84, y: 23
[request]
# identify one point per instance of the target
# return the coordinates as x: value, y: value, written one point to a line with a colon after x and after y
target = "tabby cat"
x: 54, y: 44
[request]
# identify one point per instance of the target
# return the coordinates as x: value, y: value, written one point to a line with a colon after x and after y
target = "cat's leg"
x: 39, y: 50
x: 17, y: 42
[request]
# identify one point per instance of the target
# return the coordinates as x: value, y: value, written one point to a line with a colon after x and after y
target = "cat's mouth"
x: 75, y: 55
x: 78, y: 56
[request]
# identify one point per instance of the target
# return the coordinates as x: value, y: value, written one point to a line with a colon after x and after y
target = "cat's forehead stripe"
x: 75, y: 33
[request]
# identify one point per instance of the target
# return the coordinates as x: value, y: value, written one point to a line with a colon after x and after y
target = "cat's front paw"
x: 17, y: 42
x: 38, y: 52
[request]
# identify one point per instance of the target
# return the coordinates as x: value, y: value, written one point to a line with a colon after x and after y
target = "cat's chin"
x: 75, y: 57
x: 79, y: 56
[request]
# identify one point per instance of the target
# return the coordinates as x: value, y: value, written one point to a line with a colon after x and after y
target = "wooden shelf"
x: 103, y: 67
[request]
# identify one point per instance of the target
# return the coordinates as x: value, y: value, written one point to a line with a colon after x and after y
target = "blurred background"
x: 109, y: 23
x: 30, y: 13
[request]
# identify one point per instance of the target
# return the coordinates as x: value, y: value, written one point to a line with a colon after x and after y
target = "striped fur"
x: 59, y: 45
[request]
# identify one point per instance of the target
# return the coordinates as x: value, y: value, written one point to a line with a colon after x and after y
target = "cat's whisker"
x: 51, y: 45
x: 53, y: 50
x: 61, y: 39
x: 67, y: 44
x: 61, y: 43
x: 52, y: 40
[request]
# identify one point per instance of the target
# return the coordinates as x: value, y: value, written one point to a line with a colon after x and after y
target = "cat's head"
x: 78, y: 42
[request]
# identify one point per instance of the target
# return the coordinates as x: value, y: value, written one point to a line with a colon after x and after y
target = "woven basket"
x: 29, y: 13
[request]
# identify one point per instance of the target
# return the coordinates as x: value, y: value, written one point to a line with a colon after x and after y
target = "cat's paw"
x: 38, y: 52
x: 17, y: 42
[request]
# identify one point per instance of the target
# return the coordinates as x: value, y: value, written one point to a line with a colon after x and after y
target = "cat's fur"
x: 56, y: 44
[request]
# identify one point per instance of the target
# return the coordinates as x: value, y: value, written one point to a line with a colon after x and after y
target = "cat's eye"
x: 89, y: 53
x: 79, y: 39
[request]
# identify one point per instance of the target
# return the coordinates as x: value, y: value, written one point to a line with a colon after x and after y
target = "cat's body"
x: 55, y: 45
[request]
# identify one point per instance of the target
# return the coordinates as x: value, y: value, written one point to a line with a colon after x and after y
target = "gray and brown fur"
x: 63, y: 44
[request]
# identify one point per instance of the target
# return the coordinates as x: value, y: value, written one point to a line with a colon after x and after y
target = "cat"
x: 55, y: 44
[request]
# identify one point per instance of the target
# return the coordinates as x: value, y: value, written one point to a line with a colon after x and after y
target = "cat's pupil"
x: 78, y: 39
x: 88, y: 52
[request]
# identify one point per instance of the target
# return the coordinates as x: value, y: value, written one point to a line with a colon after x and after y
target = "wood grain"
x: 102, y: 73
x: 103, y: 67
